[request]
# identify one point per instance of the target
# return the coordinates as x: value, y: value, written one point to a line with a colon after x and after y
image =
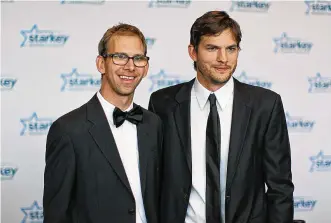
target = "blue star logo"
x: 253, y: 81
x: 320, y: 162
x: 278, y: 41
x: 308, y: 3
x: 292, y: 118
x: 233, y: 5
x: 291, y: 45
x: 174, y: 4
x: 33, y: 30
x: 319, y: 83
x: 255, y: 6
x: 76, y: 81
x: 33, y: 214
x: 161, y: 80
x: 82, y: 1
x: 318, y: 7
x: 150, y: 41
x: 298, y: 124
x: 243, y: 77
x: 37, y: 37
x: 35, y: 125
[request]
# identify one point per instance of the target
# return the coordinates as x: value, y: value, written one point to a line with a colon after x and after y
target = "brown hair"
x: 213, y: 23
x: 121, y: 29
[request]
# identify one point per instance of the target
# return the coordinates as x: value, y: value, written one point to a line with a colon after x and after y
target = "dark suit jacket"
x: 259, y: 154
x: 85, y: 180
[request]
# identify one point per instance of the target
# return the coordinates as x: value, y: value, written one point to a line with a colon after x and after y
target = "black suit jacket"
x: 85, y: 180
x: 259, y: 154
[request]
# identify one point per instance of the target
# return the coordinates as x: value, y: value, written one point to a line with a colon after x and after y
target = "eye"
x: 139, y: 58
x: 232, y: 49
x: 121, y: 56
x: 211, y: 48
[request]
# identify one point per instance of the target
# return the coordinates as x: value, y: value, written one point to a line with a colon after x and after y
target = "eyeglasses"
x: 123, y: 59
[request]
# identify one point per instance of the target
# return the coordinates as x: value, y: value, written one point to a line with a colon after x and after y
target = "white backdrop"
x: 48, y: 52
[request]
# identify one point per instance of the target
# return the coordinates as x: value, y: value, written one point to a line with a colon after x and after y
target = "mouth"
x: 127, y: 78
x: 221, y: 69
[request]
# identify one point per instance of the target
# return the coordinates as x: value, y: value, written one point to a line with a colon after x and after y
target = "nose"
x: 222, y: 56
x: 130, y: 65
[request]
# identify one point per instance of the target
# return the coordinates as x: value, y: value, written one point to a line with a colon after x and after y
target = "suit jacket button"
x: 227, y: 198
x: 131, y: 211
x: 185, y: 196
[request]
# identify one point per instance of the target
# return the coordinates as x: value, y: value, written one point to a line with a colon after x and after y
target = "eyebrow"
x: 128, y: 55
x: 212, y: 45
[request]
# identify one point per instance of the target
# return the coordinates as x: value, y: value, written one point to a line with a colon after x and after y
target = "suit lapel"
x: 102, y: 135
x: 145, y: 149
x: 240, y: 119
x: 182, y: 116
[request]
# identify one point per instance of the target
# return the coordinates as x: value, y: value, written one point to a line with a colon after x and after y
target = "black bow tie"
x: 135, y: 115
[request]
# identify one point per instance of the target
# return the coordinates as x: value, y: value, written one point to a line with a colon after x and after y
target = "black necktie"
x: 213, y: 192
x: 135, y: 115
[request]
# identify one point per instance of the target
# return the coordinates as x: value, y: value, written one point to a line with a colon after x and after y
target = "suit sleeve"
x: 277, y: 167
x: 151, y: 105
x: 160, y: 160
x: 59, y: 176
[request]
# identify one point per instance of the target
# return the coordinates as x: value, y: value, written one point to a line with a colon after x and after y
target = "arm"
x: 160, y: 160
x: 277, y: 167
x: 150, y: 104
x: 59, y: 176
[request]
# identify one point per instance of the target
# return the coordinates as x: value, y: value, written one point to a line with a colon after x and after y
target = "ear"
x: 192, y: 52
x: 100, y: 62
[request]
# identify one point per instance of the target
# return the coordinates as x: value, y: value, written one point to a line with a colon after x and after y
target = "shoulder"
x: 258, y: 96
x: 68, y: 124
x: 167, y: 92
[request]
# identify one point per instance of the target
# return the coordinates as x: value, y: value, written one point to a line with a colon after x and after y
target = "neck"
x: 120, y: 101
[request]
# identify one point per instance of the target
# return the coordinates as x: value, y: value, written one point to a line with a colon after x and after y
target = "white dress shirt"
x: 127, y: 144
x: 196, y: 212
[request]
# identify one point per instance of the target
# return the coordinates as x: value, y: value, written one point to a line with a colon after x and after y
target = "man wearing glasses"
x: 102, y: 159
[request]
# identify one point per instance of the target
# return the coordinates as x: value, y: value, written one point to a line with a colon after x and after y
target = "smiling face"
x: 122, y: 80
x: 216, y: 59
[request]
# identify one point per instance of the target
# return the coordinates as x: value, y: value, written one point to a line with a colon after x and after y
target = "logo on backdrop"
x: 8, y: 171
x: 318, y: 7
x: 286, y: 44
x: 304, y: 204
x: 243, y: 77
x: 150, y: 41
x: 162, y: 80
x: 250, y: 6
x: 320, y: 162
x: 8, y: 83
x: 42, y: 38
x: 298, y: 124
x: 169, y: 3
x: 33, y: 214
x: 34, y: 125
x: 82, y: 2
x: 319, y: 84
x: 75, y: 81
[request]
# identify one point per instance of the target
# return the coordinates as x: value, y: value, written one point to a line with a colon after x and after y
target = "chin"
x: 125, y: 92
x: 223, y: 79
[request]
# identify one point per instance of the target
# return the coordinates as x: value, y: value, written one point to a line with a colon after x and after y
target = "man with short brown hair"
x: 102, y: 159
x: 223, y: 140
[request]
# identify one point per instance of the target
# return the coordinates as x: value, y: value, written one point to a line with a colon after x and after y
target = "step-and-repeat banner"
x: 48, y: 52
